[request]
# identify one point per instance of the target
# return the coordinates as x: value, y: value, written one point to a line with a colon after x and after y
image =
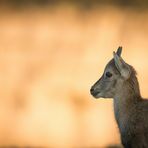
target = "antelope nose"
x: 92, y: 91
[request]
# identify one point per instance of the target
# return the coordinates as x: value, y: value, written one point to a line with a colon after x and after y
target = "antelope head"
x: 116, y: 72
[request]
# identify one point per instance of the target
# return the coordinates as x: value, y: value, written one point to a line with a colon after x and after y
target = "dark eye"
x: 108, y: 74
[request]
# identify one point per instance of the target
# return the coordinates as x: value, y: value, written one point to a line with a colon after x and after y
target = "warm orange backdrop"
x: 49, y: 58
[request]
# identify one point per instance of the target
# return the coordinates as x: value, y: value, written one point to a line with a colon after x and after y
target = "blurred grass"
x: 85, y: 4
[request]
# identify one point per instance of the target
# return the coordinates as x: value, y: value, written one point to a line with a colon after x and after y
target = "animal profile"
x: 119, y: 81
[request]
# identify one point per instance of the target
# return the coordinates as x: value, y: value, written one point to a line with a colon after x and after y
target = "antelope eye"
x: 108, y: 74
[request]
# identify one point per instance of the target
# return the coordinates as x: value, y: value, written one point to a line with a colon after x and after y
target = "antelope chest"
x: 123, y: 119
x: 125, y: 128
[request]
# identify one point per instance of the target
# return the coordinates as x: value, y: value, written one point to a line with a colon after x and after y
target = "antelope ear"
x: 119, y: 51
x: 122, y: 67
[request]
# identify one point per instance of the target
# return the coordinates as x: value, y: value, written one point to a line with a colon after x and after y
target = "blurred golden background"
x: 51, y: 52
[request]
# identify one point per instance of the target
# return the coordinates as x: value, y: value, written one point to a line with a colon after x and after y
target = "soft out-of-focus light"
x: 48, y: 61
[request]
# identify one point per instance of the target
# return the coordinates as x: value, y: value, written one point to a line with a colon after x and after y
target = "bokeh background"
x: 51, y: 52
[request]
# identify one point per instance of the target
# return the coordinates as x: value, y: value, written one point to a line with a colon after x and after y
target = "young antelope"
x: 119, y: 82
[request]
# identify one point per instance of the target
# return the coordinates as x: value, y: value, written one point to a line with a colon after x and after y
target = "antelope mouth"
x: 95, y: 93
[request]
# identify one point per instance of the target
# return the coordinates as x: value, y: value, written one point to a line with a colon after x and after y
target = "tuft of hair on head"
x: 133, y: 70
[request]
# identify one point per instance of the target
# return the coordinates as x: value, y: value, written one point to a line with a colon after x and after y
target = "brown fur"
x: 131, y: 113
x: 131, y: 110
